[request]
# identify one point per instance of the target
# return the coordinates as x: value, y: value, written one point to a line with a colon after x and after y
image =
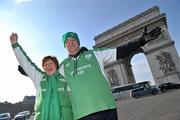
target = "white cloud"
x: 21, y: 1
x: 142, y: 71
x: 13, y: 86
x: 141, y: 66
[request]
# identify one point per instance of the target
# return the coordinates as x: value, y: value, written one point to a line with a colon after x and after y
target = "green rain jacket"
x: 88, y: 83
x: 52, y: 99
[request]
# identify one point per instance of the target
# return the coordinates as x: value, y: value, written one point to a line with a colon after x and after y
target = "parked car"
x: 5, y: 116
x: 167, y: 86
x: 142, y: 91
x: 24, y: 115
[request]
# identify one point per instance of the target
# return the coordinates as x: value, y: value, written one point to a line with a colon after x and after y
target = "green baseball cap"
x: 70, y: 35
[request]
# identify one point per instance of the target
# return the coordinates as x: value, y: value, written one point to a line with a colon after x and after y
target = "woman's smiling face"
x: 49, y: 67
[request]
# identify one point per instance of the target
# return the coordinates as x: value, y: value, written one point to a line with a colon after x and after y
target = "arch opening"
x: 141, y: 69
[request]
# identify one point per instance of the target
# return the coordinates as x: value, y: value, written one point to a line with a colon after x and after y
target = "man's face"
x: 72, y: 46
x: 49, y: 67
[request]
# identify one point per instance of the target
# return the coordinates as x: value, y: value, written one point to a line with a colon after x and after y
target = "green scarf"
x: 49, y: 103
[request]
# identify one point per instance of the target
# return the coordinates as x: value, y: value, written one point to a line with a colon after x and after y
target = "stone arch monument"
x: 161, y: 53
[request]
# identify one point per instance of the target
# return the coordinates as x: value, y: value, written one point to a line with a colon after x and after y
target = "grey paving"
x: 164, y: 106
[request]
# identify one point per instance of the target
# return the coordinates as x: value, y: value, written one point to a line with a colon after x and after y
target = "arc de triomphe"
x: 161, y: 53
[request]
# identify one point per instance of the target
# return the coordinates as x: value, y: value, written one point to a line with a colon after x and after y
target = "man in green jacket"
x: 84, y: 71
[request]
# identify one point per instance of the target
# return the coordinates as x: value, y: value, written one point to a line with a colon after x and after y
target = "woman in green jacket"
x: 52, y: 99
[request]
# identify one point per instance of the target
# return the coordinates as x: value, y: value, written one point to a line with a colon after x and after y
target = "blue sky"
x: 41, y: 23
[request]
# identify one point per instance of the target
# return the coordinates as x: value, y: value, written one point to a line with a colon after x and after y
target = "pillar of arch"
x: 161, y: 53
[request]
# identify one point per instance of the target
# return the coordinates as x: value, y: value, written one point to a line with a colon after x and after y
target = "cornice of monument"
x: 163, y: 45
